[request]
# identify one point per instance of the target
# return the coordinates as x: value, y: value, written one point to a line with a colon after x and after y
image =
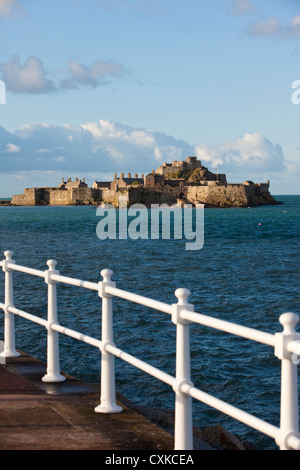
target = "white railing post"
x: 9, y: 325
x: 108, y: 392
x: 53, y: 366
x: 183, y: 432
x: 289, y: 418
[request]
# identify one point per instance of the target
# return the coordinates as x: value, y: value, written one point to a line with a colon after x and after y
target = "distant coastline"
x: 5, y: 201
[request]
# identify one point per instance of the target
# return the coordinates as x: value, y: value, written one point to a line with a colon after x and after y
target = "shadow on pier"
x: 40, y: 416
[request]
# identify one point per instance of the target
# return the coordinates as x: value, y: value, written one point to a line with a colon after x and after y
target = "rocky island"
x: 180, y: 182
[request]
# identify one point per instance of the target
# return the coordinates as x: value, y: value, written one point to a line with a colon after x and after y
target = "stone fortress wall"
x: 70, y: 193
x: 186, y: 181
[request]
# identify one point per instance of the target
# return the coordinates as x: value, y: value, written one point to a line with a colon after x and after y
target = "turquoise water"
x: 245, y: 273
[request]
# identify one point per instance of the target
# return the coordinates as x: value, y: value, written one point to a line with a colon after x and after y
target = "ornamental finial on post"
x: 8, y: 254
x: 107, y: 282
x: 182, y: 295
x: 289, y: 321
x: 107, y: 275
x: 51, y: 263
x: 8, y: 259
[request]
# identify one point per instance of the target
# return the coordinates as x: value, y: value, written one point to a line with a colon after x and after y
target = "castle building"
x: 69, y: 184
x: 123, y: 182
x: 153, y: 180
x: 190, y: 163
x: 186, y: 180
x: 101, y: 184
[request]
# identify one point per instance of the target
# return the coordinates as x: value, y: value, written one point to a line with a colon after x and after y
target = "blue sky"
x: 98, y: 86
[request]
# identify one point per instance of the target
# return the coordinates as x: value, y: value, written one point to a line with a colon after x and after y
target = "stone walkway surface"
x: 38, y: 416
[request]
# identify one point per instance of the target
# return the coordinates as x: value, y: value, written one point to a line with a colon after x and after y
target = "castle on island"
x: 180, y: 182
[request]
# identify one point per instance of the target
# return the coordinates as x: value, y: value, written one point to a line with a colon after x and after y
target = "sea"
x: 246, y: 272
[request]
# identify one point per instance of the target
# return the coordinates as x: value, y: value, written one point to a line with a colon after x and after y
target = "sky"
x: 89, y: 88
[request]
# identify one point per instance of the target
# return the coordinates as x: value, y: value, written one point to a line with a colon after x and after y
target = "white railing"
x: 286, y: 346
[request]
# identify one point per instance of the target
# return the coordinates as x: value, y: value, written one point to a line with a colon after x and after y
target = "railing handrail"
x: 285, y: 344
x: 205, y: 320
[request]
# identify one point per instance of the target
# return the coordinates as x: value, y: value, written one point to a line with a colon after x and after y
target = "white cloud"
x: 252, y: 156
x: 292, y: 163
x: 174, y: 153
x: 294, y: 28
x: 141, y: 138
x: 132, y: 145
x: 269, y: 27
x: 241, y: 7
x: 60, y: 159
x: 105, y: 147
x: 9, y: 7
x: 273, y: 27
x: 43, y: 151
x: 12, y: 148
x: 5, y: 7
x: 96, y: 146
x: 99, y: 73
x: 30, y: 77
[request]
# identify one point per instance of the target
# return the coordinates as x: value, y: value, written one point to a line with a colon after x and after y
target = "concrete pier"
x: 35, y: 415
